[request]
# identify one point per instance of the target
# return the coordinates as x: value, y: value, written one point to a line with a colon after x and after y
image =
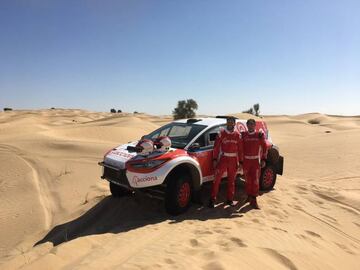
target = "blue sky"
x: 290, y: 56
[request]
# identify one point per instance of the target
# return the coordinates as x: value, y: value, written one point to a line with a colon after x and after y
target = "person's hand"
x: 263, y: 163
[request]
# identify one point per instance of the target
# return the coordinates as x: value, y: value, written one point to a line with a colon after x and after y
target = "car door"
x: 204, y: 153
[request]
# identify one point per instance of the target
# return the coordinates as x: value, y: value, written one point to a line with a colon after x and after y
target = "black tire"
x: 119, y: 191
x: 178, y: 194
x: 273, y: 155
x: 267, y: 178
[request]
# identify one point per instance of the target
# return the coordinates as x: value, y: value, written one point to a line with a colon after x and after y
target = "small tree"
x: 119, y: 111
x: 113, y: 111
x: 185, y: 109
x: 7, y: 109
x: 249, y: 111
x: 257, y: 109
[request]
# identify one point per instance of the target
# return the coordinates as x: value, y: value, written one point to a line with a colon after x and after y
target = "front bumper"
x: 115, y: 175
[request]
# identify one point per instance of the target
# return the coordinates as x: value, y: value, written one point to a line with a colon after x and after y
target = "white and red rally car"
x: 177, y: 173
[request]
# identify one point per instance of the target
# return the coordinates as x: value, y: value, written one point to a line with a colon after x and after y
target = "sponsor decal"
x: 144, y: 179
x: 241, y: 127
x: 122, y: 154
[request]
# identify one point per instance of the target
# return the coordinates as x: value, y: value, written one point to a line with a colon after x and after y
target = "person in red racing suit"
x: 226, y: 156
x: 254, y: 155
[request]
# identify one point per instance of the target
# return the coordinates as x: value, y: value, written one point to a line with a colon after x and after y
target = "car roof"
x: 207, y: 121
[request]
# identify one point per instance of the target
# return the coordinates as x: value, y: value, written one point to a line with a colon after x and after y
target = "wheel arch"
x: 191, y: 170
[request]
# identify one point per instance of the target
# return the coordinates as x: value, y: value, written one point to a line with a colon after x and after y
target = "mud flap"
x: 280, y: 165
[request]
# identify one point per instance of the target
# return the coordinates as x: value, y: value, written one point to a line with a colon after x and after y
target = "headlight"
x: 149, y: 164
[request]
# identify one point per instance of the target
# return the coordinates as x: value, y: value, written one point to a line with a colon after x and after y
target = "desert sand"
x: 56, y: 212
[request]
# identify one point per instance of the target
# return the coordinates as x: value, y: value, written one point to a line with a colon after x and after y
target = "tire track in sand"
x: 43, y: 197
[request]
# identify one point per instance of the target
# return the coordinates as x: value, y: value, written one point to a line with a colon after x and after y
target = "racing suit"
x: 228, y: 152
x: 254, y: 150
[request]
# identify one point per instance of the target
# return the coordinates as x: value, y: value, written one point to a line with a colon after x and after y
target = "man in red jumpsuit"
x: 226, y: 156
x: 254, y: 155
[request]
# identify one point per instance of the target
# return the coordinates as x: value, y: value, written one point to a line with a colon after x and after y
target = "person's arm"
x: 240, y: 149
x: 217, y: 145
x: 263, y: 149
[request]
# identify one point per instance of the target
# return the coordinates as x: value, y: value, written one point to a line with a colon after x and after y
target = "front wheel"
x: 267, y: 178
x: 178, y: 194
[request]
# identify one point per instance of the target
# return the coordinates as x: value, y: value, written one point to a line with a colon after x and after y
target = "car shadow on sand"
x: 117, y: 215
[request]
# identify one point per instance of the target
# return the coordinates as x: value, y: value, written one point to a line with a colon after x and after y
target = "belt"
x: 230, y: 154
x: 251, y: 157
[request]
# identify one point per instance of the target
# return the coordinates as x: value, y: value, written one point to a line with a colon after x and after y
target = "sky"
x: 291, y: 57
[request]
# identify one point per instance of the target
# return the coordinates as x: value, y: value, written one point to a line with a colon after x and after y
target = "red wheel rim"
x: 268, y: 177
x: 184, y: 194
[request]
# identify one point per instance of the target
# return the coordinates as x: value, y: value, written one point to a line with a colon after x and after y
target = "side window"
x: 207, y: 140
x: 201, y: 140
x: 211, y: 134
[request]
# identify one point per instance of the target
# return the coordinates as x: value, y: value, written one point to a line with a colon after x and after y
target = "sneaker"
x: 230, y: 203
x: 211, y: 203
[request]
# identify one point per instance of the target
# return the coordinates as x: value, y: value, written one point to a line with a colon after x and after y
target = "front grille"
x: 116, y: 176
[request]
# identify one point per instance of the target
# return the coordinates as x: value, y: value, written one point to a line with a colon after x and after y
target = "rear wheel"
x: 178, y: 194
x: 268, y: 177
x: 273, y: 155
x: 119, y: 191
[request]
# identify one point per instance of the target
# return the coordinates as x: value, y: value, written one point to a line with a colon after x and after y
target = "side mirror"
x: 194, y: 147
x: 212, y: 136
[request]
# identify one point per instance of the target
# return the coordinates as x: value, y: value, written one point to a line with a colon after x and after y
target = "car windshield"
x: 180, y: 133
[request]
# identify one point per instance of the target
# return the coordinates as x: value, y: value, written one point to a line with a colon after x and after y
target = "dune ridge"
x: 56, y: 211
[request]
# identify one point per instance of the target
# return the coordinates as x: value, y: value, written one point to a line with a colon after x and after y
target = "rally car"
x: 174, y: 161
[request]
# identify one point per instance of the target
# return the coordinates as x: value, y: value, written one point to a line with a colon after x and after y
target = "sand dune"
x: 56, y: 213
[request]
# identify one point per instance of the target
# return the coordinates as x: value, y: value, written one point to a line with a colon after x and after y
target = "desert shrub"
x: 314, y: 121
x: 255, y: 110
x: 185, y: 109
x: 249, y: 111
x: 7, y: 109
x: 119, y: 111
x: 113, y: 111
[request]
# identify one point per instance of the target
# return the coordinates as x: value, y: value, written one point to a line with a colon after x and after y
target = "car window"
x: 164, y: 132
x: 201, y: 141
x: 204, y: 140
x: 213, y: 130
x: 180, y: 133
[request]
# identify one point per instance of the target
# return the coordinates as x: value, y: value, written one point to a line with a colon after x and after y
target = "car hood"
x: 118, y: 156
